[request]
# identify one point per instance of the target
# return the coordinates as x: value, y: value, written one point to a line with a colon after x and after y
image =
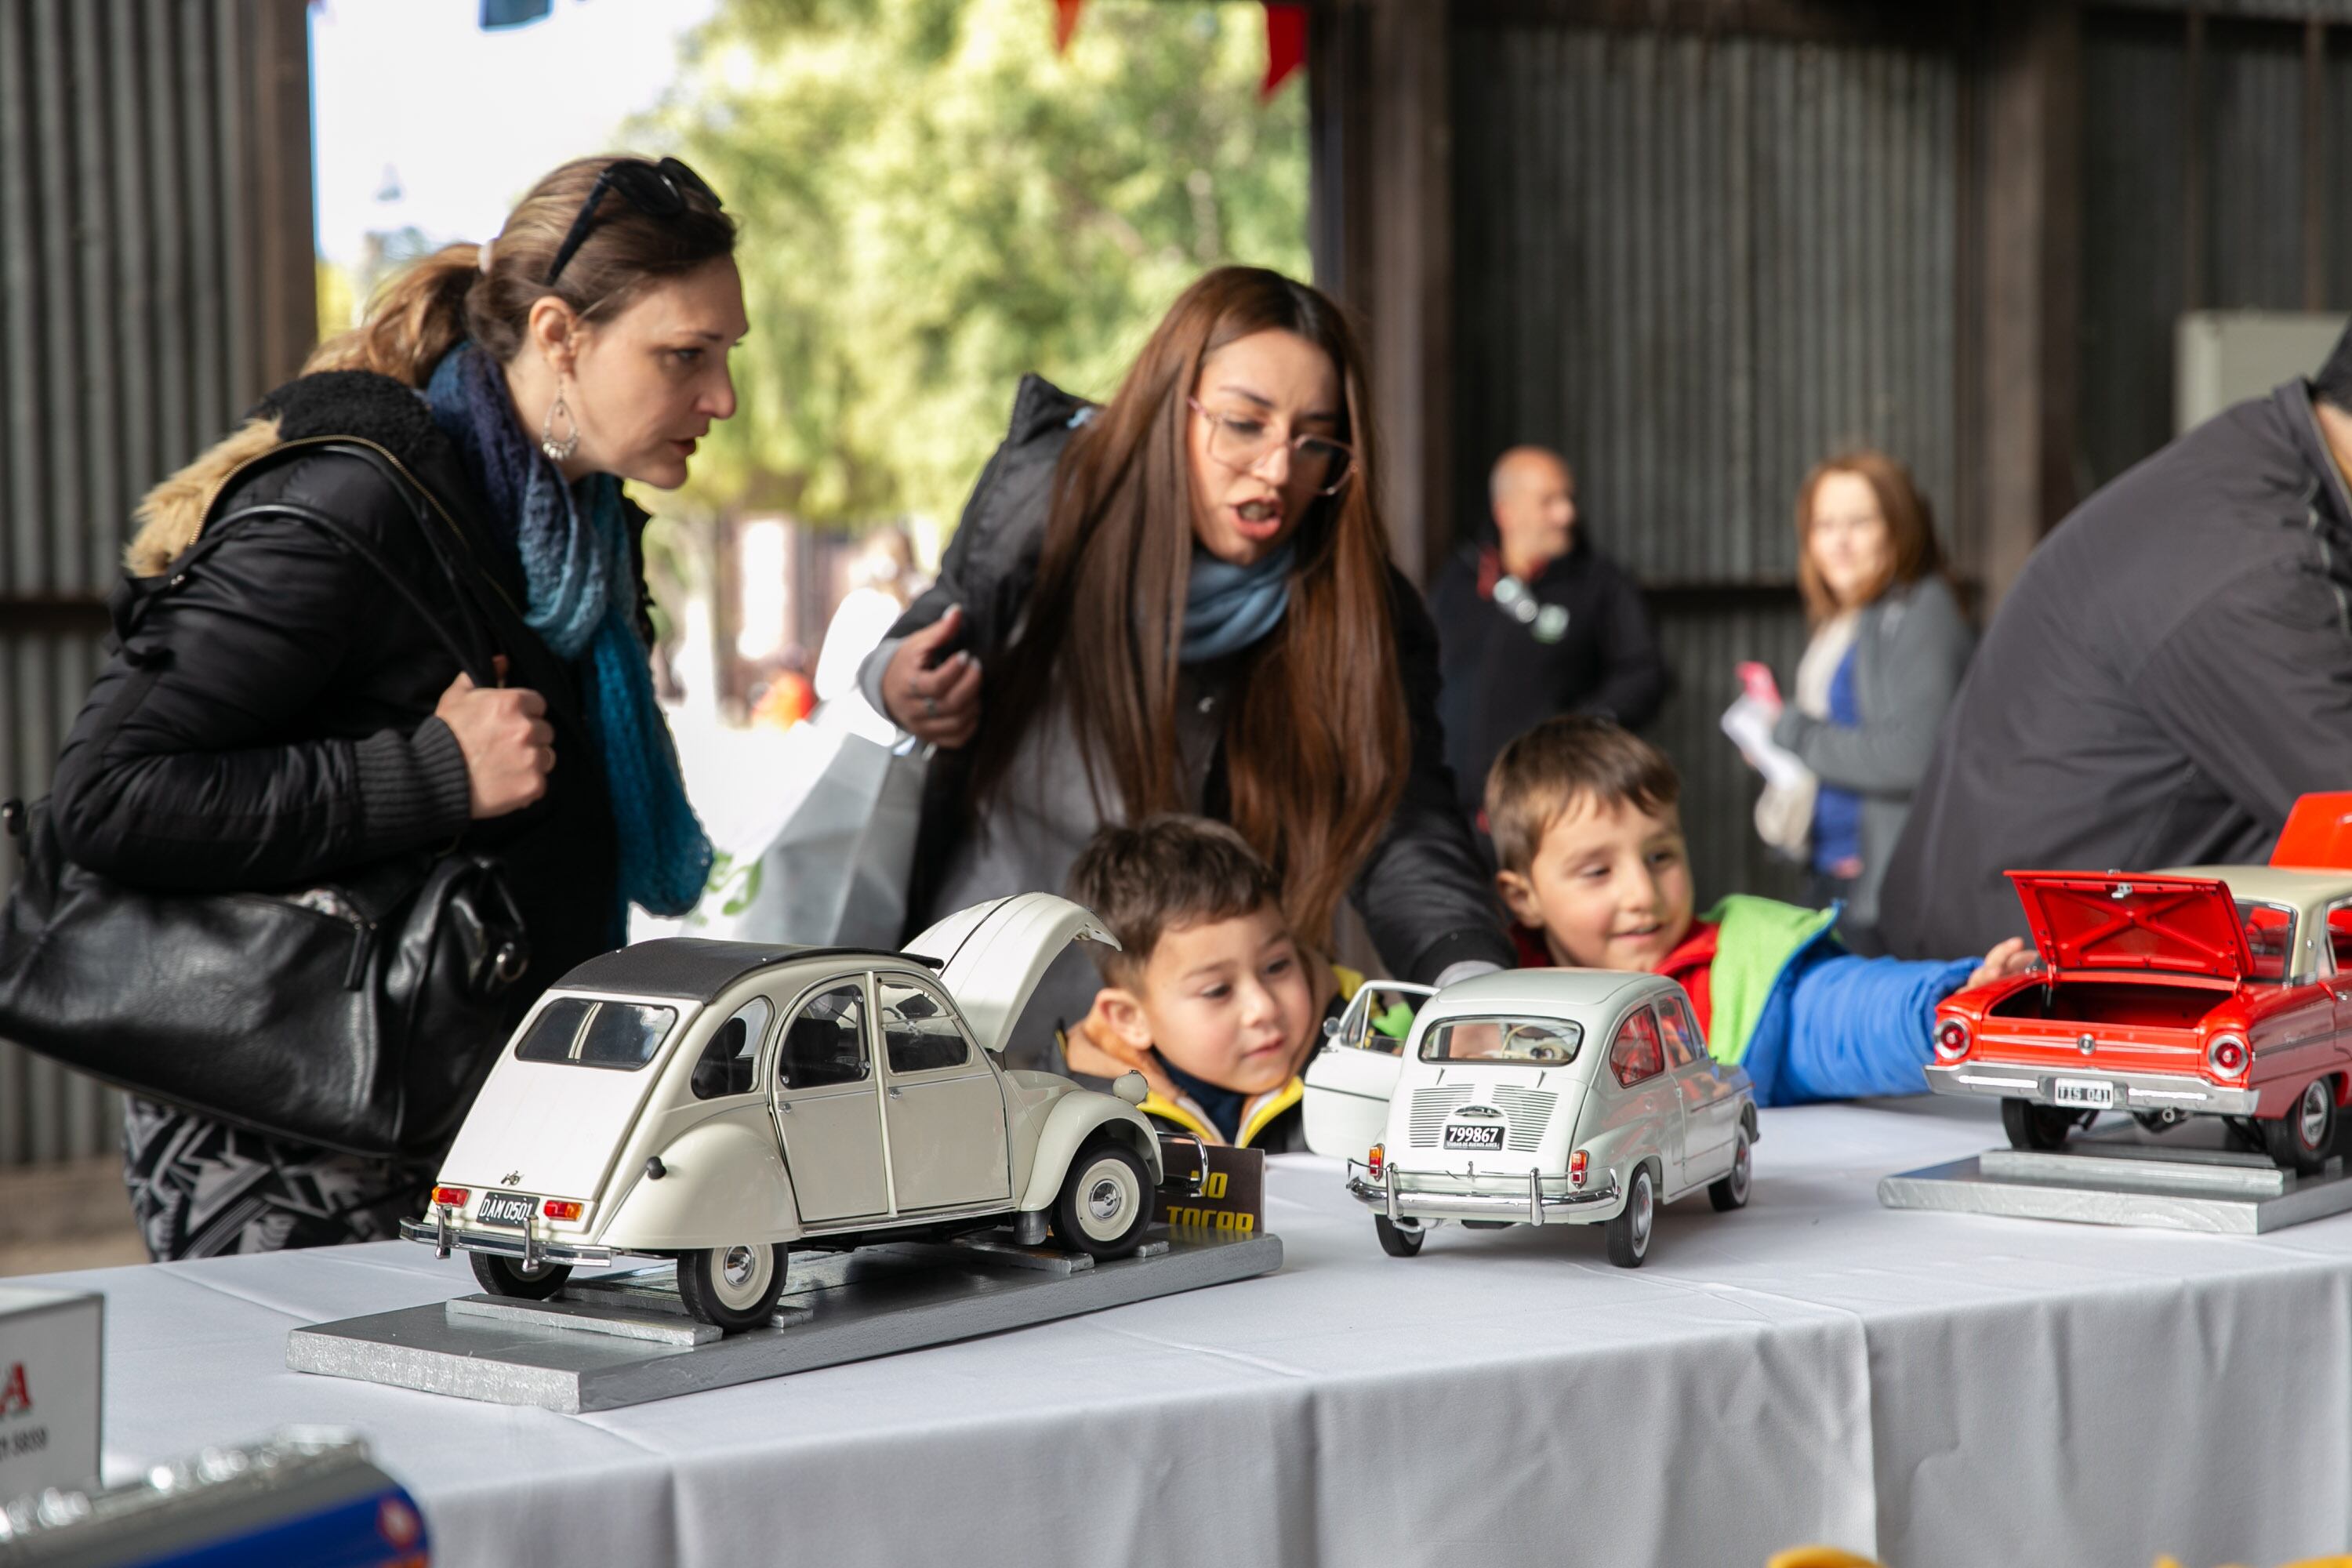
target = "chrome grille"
x: 1530, y: 1111
x: 1430, y: 1107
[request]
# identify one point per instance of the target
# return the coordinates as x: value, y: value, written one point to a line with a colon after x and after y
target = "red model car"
x: 2209, y: 990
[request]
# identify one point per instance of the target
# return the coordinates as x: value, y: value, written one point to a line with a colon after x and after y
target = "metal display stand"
x: 2183, y: 1180
x: 624, y: 1338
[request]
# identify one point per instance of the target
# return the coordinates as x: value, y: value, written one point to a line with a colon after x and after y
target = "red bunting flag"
x: 1285, y: 39
x: 1285, y: 45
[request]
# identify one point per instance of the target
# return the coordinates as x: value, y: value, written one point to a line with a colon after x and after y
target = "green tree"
x: 934, y: 203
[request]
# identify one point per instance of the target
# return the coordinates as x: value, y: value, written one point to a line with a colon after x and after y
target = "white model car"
x: 724, y: 1103
x: 1532, y: 1096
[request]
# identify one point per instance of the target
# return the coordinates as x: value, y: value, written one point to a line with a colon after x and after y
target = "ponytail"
x: 418, y: 315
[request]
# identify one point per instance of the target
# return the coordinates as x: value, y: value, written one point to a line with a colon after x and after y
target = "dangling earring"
x: 559, y: 451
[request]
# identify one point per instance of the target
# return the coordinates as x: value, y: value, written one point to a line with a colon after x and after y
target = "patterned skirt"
x: 201, y: 1189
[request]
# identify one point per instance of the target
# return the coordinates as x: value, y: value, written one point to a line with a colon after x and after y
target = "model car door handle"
x: 894, y: 1093
x: 785, y: 1105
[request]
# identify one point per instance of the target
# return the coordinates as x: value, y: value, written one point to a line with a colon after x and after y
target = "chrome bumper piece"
x: 531, y: 1249
x: 1534, y: 1206
x: 2134, y: 1090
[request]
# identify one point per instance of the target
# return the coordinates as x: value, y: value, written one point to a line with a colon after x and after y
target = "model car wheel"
x: 2032, y: 1126
x: 732, y: 1288
x: 1731, y: 1191
x: 1106, y: 1200
x: 505, y: 1277
x: 2302, y: 1140
x: 1396, y: 1240
x: 1629, y: 1233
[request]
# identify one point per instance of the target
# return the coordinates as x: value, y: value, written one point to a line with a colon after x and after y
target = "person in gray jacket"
x: 1888, y: 651
x: 1183, y: 601
x: 2172, y: 668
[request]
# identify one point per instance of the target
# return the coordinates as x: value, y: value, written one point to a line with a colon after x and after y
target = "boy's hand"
x: 2007, y: 958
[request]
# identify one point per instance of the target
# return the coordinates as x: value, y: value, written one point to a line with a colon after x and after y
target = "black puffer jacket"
x: 2172, y: 668
x: 1423, y: 893
x: 270, y: 720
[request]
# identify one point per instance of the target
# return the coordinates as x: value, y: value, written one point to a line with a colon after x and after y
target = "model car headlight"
x: 1951, y: 1041
x: 2226, y: 1055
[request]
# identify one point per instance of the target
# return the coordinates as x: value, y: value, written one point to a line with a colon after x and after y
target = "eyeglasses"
x: 657, y: 189
x: 1241, y: 443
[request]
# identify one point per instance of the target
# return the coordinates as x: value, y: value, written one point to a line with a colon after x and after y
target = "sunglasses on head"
x: 657, y: 189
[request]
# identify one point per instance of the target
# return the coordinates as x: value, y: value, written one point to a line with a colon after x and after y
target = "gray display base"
x: 624, y: 1338
x: 2184, y: 1180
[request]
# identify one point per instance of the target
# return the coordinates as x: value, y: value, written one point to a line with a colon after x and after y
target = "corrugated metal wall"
x: 2205, y: 175
x: 1696, y: 265
x: 155, y: 276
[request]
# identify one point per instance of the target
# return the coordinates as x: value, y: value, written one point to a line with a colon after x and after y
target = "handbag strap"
x: 471, y: 653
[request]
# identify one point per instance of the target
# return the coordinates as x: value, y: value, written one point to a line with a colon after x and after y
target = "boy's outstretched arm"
x: 1866, y: 1025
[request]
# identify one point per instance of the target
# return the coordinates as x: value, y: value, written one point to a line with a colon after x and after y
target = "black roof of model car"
x: 698, y: 969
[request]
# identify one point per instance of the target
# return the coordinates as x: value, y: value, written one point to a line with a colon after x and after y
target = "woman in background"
x: 1889, y: 646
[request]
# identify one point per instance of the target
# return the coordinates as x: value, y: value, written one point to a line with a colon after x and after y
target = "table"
x: 1929, y: 1388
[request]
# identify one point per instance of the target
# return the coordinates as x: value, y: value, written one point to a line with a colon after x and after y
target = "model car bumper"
x: 1393, y: 1197
x: 531, y: 1249
x: 2134, y: 1090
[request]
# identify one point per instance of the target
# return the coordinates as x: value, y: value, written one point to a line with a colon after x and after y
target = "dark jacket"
x: 1504, y: 676
x: 271, y: 720
x: 2173, y: 666
x: 1423, y: 894
x: 1910, y: 652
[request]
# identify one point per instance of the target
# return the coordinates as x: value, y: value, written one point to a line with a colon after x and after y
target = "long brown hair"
x: 1315, y: 740
x: 423, y: 309
x: 1910, y: 526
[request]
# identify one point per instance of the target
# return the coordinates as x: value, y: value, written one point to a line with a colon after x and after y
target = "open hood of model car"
x: 992, y: 955
x: 2183, y: 925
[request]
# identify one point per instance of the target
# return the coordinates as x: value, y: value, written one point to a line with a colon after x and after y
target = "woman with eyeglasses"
x: 1183, y: 600
x: 281, y: 714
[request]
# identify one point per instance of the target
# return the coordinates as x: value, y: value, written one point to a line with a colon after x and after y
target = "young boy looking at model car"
x: 1593, y: 866
x: 1209, y: 996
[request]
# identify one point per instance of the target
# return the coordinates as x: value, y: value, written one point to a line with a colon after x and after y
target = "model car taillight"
x: 1951, y: 1039
x: 2226, y: 1055
x: 453, y: 1196
x: 1576, y: 1168
x: 560, y: 1208
x: 1373, y: 1159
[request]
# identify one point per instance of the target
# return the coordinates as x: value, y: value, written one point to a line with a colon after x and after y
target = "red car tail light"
x: 560, y: 1208
x: 453, y: 1196
x: 1951, y: 1041
x: 1577, y: 1164
x: 1373, y: 1160
x: 2227, y: 1056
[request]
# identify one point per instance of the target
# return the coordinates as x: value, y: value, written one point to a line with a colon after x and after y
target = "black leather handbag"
x: 359, y: 1012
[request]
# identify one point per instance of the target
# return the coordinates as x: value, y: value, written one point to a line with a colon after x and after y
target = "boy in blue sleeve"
x: 1589, y: 836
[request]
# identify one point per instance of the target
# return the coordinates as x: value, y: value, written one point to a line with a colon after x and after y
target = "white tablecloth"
x: 1929, y: 1388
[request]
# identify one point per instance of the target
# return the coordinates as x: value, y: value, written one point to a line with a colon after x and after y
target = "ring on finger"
x: 931, y: 707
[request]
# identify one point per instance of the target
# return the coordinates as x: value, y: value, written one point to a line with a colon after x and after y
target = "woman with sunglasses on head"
x: 1183, y: 601
x: 280, y: 715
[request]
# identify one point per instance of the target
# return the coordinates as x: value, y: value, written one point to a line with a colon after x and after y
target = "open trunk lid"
x: 2115, y: 920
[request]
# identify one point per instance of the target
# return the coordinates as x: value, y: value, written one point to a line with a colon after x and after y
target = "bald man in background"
x: 1533, y: 621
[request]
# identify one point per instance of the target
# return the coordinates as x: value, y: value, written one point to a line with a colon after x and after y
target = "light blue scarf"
x: 1228, y: 607
x: 574, y: 546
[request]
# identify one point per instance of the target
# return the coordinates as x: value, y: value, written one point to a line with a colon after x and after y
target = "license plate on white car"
x: 2083, y: 1093
x: 506, y: 1208
x: 1475, y: 1135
